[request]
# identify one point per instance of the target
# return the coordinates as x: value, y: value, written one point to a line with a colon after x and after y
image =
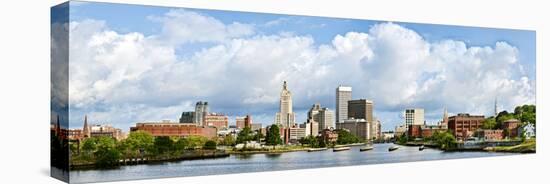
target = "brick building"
x: 219, y: 121
x: 512, y: 127
x: 464, y: 125
x: 490, y: 135
x: 175, y: 129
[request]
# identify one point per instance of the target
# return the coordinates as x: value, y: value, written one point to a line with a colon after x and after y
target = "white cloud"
x: 114, y: 74
x: 182, y: 26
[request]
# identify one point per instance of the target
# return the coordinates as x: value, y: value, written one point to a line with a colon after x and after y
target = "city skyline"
x: 154, y: 65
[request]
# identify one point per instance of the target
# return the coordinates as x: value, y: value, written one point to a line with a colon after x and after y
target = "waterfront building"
x: 414, y: 117
x: 239, y: 121
x: 311, y: 127
x: 343, y: 95
x: 328, y: 136
x: 248, y: 121
x: 296, y: 133
x: 361, y: 109
x: 322, y: 115
x: 387, y: 136
x: 166, y: 128
x: 490, y: 135
x: 463, y: 125
x: 255, y: 126
x: 377, y: 129
x: 528, y: 131
x: 187, y: 117
x: 219, y: 121
x: 429, y: 130
x: 512, y: 128
x: 285, y: 117
x: 201, y: 110
x: 105, y: 130
x: 357, y: 127
x: 400, y: 130
x: 74, y: 134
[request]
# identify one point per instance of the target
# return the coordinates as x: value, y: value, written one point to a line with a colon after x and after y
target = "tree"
x: 273, y: 136
x: 345, y: 137
x: 228, y: 140
x: 88, y: 146
x: 489, y: 123
x: 526, y: 114
x: 310, y: 140
x: 181, y: 144
x: 210, y: 145
x: 137, y: 142
x: 163, y: 144
x: 245, y: 135
x: 106, y: 155
x: 195, y: 141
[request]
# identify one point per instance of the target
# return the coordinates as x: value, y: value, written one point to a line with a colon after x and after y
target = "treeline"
x: 444, y: 140
x: 344, y: 137
x: 107, y: 151
x: 525, y: 113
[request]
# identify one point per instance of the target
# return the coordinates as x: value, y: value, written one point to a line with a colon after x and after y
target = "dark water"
x: 270, y: 162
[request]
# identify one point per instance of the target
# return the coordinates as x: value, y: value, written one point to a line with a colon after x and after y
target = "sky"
x: 131, y: 63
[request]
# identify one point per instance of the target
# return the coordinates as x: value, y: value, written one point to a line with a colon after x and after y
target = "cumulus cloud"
x: 182, y: 26
x: 126, y: 78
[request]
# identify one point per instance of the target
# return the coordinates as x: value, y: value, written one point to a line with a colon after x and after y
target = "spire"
x: 496, y: 109
x: 284, y: 85
x: 86, y: 128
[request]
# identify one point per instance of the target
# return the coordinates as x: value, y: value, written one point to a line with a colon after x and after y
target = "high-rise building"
x: 285, y: 116
x: 414, y: 117
x: 187, y: 117
x: 361, y: 109
x: 323, y: 116
x: 201, y: 110
x: 358, y: 127
x: 376, y: 129
x: 311, y: 127
x: 343, y: 95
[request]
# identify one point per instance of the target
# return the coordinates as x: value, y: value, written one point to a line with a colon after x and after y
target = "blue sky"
x: 372, y: 54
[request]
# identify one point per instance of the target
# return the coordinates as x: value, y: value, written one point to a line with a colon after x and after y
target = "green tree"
x: 181, y: 144
x: 526, y: 113
x: 107, y: 155
x: 345, y: 137
x: 228, y: 140
x: 210, y: 145
x: 138, y: 141
x: 163, y: 144
x: 489, y: 123
x: 89, y: 146
x: 195, y: 141
x: 310, y: 140
x: 273, y: 136
x: 245, y: 135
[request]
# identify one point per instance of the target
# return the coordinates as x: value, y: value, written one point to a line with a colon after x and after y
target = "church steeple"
x: 496, y: 107
x: 86, y: 128
x: 284, y: 85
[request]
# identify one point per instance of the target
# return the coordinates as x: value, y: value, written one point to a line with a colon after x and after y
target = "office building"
x: 463, y: 125
x: 414, y: 117
x: 358, y: 127
x: 343, y: 95
x: 285, y: 117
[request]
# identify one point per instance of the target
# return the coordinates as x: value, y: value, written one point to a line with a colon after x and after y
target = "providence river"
x: 271, y: 162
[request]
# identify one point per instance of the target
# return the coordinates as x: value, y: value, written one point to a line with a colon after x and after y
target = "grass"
x: 528, y: 146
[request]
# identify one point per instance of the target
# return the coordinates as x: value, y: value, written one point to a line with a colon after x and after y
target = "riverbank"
x: 187, y: 155
x: 529, y: 146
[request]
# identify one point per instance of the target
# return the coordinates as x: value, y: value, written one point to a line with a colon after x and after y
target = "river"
x: 271, y: 162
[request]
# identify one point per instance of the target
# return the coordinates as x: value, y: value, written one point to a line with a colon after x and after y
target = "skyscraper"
x: 361, y: 109
x: 414, y: 117
x: 201, y: 109
x: 343, y: 95
x: 285, y: 116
